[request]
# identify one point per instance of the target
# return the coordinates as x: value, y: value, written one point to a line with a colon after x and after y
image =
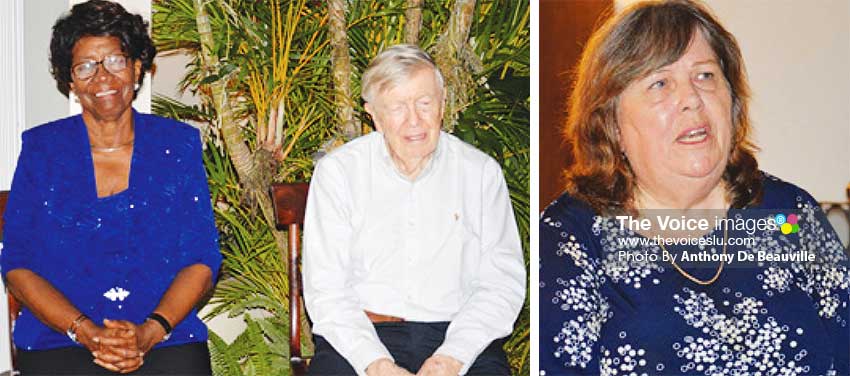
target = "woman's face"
x: 677, y: 121
x: 105, y: 95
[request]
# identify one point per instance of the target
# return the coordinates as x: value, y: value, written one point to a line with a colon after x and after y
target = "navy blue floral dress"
x: 601, y: 315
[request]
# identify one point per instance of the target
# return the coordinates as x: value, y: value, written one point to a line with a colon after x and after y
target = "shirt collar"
x: 429, y: 166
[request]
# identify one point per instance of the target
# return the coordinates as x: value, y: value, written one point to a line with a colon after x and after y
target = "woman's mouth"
x: 105, y: 93
x: 693, y: 135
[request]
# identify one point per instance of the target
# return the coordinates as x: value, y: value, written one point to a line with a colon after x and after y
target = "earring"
x: 137, y: 86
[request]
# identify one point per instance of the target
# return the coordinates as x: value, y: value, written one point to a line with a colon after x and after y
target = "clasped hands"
x: 118, y: 345
x: 436, y: 365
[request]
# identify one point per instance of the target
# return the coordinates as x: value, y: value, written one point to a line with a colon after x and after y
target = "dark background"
x: 565, y: 26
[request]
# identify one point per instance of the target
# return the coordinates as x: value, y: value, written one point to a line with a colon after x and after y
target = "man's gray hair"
x: 394, y: 65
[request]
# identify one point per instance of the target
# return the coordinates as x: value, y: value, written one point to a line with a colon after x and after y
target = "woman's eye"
x: 660, y: 84
x: 705, y: 76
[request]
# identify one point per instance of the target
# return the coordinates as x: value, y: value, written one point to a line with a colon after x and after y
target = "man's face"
x: 409, y: 115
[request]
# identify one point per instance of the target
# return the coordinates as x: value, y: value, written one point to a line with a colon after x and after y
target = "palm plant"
x: 279, y: 85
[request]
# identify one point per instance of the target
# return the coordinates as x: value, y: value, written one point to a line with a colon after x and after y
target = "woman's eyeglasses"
x: 113, y: 64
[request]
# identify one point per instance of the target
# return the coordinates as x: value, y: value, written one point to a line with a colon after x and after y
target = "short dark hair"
x: 644, y: 37
x: 99, y: 18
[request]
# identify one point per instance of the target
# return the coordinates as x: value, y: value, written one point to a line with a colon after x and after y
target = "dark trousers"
x: 189, y: 359
x: 410, y: 343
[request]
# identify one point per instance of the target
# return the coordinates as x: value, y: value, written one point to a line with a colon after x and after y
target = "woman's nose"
x: 101, y: 73
x: 689, y: 96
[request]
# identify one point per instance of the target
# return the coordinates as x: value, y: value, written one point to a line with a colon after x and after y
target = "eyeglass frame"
x: 98, y: 64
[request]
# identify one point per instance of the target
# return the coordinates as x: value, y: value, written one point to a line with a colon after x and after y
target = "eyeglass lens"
x: 112, y: 63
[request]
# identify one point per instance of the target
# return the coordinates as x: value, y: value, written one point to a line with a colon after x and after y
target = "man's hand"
x: 386, y: 367
x: 440, y: 365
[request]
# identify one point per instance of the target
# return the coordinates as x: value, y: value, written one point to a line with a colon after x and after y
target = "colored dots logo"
x: 788, y: 225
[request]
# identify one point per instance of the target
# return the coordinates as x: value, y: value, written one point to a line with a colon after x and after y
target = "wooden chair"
x: 14, y: 306
x: 4, y: 197
x: 290, y: 201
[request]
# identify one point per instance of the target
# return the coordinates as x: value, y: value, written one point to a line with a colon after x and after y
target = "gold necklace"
x: 113, y: 148
x: 695, y: 279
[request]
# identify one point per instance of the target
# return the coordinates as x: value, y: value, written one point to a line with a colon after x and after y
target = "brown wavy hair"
x: 627, y: 47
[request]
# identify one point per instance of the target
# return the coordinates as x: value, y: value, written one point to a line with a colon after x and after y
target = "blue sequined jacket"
x: 112, y: 257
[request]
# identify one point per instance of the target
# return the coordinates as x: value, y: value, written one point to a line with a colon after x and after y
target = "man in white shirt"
x: 412, y: 261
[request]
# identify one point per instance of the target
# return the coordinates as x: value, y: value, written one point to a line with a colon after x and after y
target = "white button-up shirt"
x: 443, y: 247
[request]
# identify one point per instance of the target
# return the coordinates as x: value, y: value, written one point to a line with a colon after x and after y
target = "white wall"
x: 12, y: 111
x: 169, y: 71
x: 43, y: 101
x: 797, y: 54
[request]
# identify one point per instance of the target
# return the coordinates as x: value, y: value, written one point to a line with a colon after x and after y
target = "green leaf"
x: 209, y: 79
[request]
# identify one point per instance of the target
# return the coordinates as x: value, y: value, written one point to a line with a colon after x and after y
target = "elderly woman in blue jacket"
x: 110, y: 241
